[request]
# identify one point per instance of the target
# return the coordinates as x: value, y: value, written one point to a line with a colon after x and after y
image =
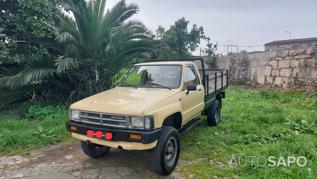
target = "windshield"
x: 160, y: 76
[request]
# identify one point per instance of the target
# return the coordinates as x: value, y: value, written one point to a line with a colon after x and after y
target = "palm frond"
x: 25, y: 77
x: 120, y: 13
x: 130, y: 36
x: 65, y: 63
x: 67, y: 30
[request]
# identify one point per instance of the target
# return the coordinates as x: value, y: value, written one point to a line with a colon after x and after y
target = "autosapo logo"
x: 270, y: 161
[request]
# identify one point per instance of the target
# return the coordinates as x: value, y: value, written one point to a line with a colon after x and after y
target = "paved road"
x: 66, y: 161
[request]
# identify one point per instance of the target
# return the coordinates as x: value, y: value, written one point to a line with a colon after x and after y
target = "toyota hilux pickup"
x: 151, y: 106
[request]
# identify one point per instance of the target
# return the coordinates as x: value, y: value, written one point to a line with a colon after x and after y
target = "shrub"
x: 44, y: 134
x: 301, y: 125
x: 39, y: 113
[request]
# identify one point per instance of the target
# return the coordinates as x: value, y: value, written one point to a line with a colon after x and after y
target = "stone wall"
x: 284, y: 68
x: 293, y: 45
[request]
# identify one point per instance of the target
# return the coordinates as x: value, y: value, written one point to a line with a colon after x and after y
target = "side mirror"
x: 191, y: 88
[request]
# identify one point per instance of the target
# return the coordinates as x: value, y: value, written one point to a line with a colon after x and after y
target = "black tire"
x: 94, y: 150
x: 214, y: 114
x: 165, y: 155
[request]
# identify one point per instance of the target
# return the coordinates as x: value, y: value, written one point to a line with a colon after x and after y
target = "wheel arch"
x: 174, y: 120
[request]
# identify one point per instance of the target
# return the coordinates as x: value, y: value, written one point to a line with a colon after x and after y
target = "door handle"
x: 199, y: 89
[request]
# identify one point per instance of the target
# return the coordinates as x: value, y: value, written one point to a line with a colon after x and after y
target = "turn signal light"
x: 99, y: 134
x: 108, y: 135
x: 73, y: 128
x: 135, y: 136
x: 90, y: 133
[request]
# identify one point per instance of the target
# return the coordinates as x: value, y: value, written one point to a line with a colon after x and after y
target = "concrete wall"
x: 284, y: 67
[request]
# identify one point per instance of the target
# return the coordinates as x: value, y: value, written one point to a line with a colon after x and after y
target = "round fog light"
x: 90, y: 133
x: 108, y: 135
x: 99, y: 134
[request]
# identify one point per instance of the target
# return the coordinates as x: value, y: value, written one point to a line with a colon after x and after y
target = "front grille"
x: 104, y: 119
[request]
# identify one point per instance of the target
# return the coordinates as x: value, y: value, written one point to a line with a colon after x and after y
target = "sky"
x: 246, y: 23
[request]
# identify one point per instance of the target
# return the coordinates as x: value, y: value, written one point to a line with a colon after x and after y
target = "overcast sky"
x: 238, y: 22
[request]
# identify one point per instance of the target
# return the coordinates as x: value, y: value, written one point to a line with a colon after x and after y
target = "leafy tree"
x: 210, y: 51
x: 97, y: 43
x: 26, y: 40
x: 178, y: 41
x: 26, y: 46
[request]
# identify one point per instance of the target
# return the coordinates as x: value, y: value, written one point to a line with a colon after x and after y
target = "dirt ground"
x: 66, y: 160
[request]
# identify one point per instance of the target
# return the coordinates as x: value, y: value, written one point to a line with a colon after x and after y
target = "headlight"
x: 142, y: 122
x: 75, y: 114
x: 137, y: 122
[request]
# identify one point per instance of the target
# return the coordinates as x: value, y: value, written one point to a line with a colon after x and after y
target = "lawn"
x: 255, y: 125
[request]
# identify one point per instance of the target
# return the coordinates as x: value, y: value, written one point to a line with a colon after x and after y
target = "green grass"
x: 255, y: 123
x: 40, y: 126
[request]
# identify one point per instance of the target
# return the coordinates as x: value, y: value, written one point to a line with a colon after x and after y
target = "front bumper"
x: 119, y: 135
x: 118, y: 144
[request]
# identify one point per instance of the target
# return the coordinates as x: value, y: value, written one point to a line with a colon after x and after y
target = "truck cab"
x: 148, y: 109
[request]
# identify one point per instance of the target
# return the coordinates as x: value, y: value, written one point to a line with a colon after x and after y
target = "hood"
x: 123, y: 100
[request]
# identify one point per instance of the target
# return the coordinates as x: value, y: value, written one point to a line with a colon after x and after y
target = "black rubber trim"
x: 148, y: 136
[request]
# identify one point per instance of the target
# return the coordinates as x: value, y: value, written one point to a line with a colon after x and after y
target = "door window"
x: 190, y: 77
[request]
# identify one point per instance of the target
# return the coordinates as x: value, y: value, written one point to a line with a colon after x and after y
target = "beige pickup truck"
x: 153, y: 104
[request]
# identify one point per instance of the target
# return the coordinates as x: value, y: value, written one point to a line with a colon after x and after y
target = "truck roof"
x: 166, y: 63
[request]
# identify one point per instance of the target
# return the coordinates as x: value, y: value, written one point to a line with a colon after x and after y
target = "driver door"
x: 192, y: 101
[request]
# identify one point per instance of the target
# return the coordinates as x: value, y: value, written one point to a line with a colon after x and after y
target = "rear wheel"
x: 165, y: 155
x: 214, y: 114
x: 94, y: 150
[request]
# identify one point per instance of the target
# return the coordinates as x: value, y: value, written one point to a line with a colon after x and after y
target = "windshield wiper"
x: 160, y: 85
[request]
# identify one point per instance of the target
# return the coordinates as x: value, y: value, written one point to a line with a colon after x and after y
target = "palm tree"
x: 96, y: 43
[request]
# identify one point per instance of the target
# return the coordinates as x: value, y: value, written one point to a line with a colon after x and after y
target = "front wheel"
x: 94, y: 150
x: 214, y: 113
x: 165, y: 156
